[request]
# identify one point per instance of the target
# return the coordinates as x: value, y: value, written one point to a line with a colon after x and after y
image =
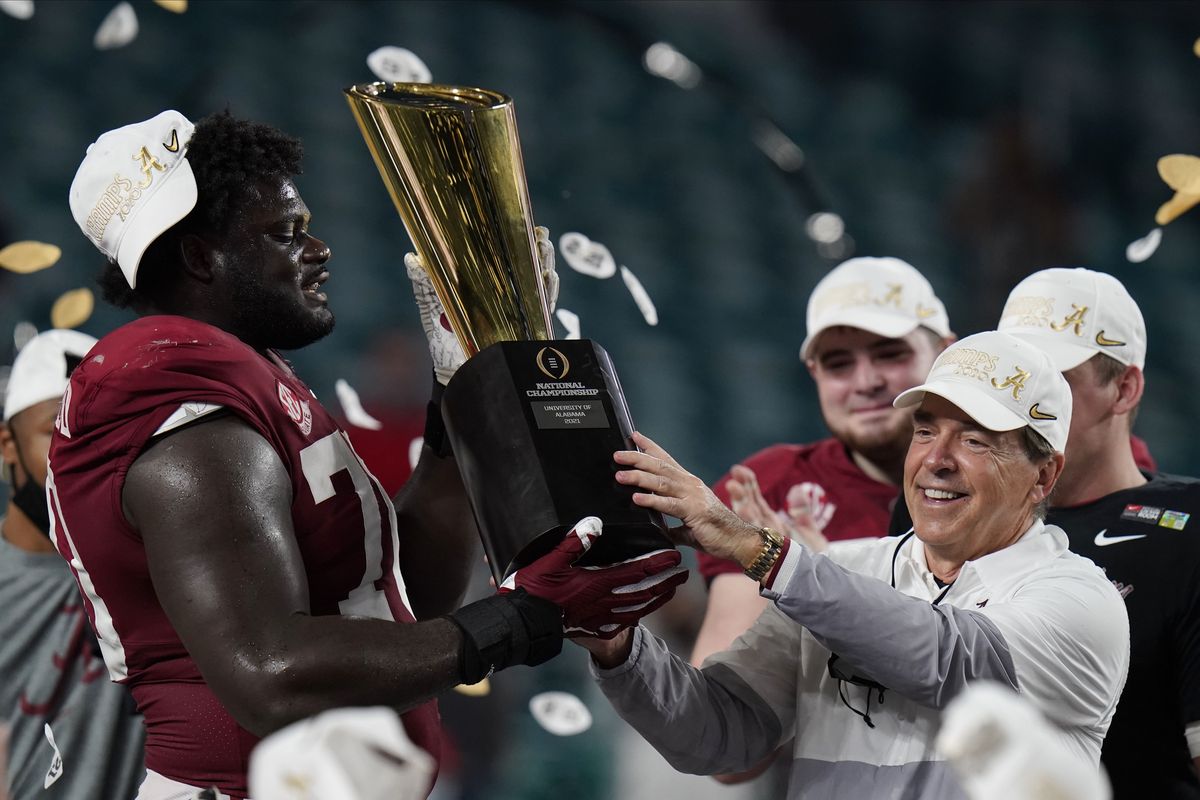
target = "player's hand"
x: 748, y: 503
x: 708, y: 524
x: 599, y: 601
x: 448, y: 355
x: 549, y: 275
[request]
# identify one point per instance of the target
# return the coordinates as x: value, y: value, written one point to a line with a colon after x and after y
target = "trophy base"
x: 534, y: 425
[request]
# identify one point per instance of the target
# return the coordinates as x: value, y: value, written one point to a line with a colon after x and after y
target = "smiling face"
x: 858, y: 375
x: 269, y: 270
x: 970, y: 490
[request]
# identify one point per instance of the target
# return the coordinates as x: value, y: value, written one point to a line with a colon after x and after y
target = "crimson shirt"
x: 845, y: 502
x: 130, y: 383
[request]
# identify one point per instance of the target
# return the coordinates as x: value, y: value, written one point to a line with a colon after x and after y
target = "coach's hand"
x: 708, y: 524
x: 599, y: 601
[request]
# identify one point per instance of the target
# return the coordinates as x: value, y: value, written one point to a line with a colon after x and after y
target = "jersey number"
x: 320, y: 461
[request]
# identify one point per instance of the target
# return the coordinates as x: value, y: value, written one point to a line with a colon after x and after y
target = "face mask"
x: 31, y: 499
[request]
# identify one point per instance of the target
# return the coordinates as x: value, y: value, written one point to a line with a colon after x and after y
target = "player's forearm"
x: 319, y: 663
x: 439, y: 542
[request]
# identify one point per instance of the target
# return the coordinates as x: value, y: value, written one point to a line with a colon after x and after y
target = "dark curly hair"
x: 229, y: 157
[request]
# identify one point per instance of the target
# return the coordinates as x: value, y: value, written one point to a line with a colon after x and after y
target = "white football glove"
x: 448, y: 354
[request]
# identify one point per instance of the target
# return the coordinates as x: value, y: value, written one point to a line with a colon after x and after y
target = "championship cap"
x: 134, y: 183
x: 1003, y: 383
x: 349, y: 753
x: 885, y: 296
x: 41, y: 372
x: 1073, y: 314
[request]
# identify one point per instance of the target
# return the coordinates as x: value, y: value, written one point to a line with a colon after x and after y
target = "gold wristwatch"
x: 772, y: 546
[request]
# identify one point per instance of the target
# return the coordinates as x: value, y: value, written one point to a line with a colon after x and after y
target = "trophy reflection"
x: 533, y: 421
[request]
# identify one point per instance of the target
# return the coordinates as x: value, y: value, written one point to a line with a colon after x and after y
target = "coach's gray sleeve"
x: 925, y: 652
x: 723, y: 718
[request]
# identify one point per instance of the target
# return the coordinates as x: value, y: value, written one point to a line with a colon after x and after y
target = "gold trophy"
x: 533, y: 421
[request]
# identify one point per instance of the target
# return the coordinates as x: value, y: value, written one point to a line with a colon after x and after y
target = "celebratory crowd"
x: 194, y: 559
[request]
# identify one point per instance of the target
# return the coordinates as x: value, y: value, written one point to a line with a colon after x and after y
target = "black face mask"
x: 30, y: 497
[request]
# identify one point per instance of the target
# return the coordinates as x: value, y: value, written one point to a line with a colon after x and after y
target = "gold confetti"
x: 481, y: 689
x: 1181, y: 173
x: 72, y: 309
x: 174, y: 6
x: 1196, y: 48
x: 26, y: 257
x: 1177, y: 205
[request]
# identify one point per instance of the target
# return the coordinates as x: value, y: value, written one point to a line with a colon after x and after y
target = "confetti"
x: 21, y: 9
x: 481, y: 689
x: 644, y: 303
x: 1141, y: 249
x: 56, y: 764
x: 1181, y: 173
x: 118, y: 29
x: 560, y: 713
x: 352, y: 407
x: 1173, y: 208
x: 398, y: 65
x: 587, y: 257
x: 414, y: 451
x: 23, y: 332
x: 1196, y: 48
x: 26, y: 257
x: 570, y: 322
x: 174, y: 6
x: 73, y: 308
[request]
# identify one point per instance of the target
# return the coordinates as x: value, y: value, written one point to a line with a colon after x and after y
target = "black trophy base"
x: 534, y: 425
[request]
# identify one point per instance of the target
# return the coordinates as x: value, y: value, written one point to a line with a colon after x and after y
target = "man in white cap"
x: 861, y: 647
x: 874, y: 327
x: 240, y: 565
x: 49, y: 663
x: 1135, y: 525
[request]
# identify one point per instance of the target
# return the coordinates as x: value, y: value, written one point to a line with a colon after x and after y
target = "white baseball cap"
x: 885, y: 296
x: 134, y: 184
x: 1003, y: 383
x: 41, y: 370
x: 348, y: 753
x: 1073, y: 314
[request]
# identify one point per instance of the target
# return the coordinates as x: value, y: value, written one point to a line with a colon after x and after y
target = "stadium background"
x: 978, y: 141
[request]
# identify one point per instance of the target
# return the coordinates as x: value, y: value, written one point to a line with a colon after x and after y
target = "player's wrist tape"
x: 506, y: 629
x: 435, y: 428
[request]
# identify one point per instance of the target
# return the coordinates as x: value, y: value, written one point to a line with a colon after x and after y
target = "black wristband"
x: 506, y: 629
x: 435, y: 428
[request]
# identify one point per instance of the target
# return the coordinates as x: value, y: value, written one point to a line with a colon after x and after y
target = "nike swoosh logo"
x: 173, y: 147
x: 1104, y: 540
x: 1037, y: 413
x: 1103, y: 342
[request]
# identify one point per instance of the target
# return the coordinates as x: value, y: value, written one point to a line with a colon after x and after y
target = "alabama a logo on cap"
x: 297, y: 410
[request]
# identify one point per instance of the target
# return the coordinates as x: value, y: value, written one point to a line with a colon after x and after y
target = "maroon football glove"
x: 599, y: 601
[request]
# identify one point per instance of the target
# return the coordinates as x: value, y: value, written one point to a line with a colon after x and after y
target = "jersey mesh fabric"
x: 1158, y: 573
x: 132, y: 381
x: 848, y: 504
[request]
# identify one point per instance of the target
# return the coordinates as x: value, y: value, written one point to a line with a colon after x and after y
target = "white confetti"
x: 587, y: 257
x: 352, y: 407
x: 22, y: 332
x: 56, y: 764
x: 118, y: 29
x: 644, y: 303
x: 1141, y: 249
x: 21, y: 9
x: 570, y: 322
x: 560, y: 713
x: 397, y: 65
x: 414, y: 451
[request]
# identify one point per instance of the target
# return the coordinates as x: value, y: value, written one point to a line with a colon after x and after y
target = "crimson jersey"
x: 846, y: 503
x: 149, y: 375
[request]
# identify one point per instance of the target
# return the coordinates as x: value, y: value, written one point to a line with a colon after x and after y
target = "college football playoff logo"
x: 297, y: 410
x: 553, y: 363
